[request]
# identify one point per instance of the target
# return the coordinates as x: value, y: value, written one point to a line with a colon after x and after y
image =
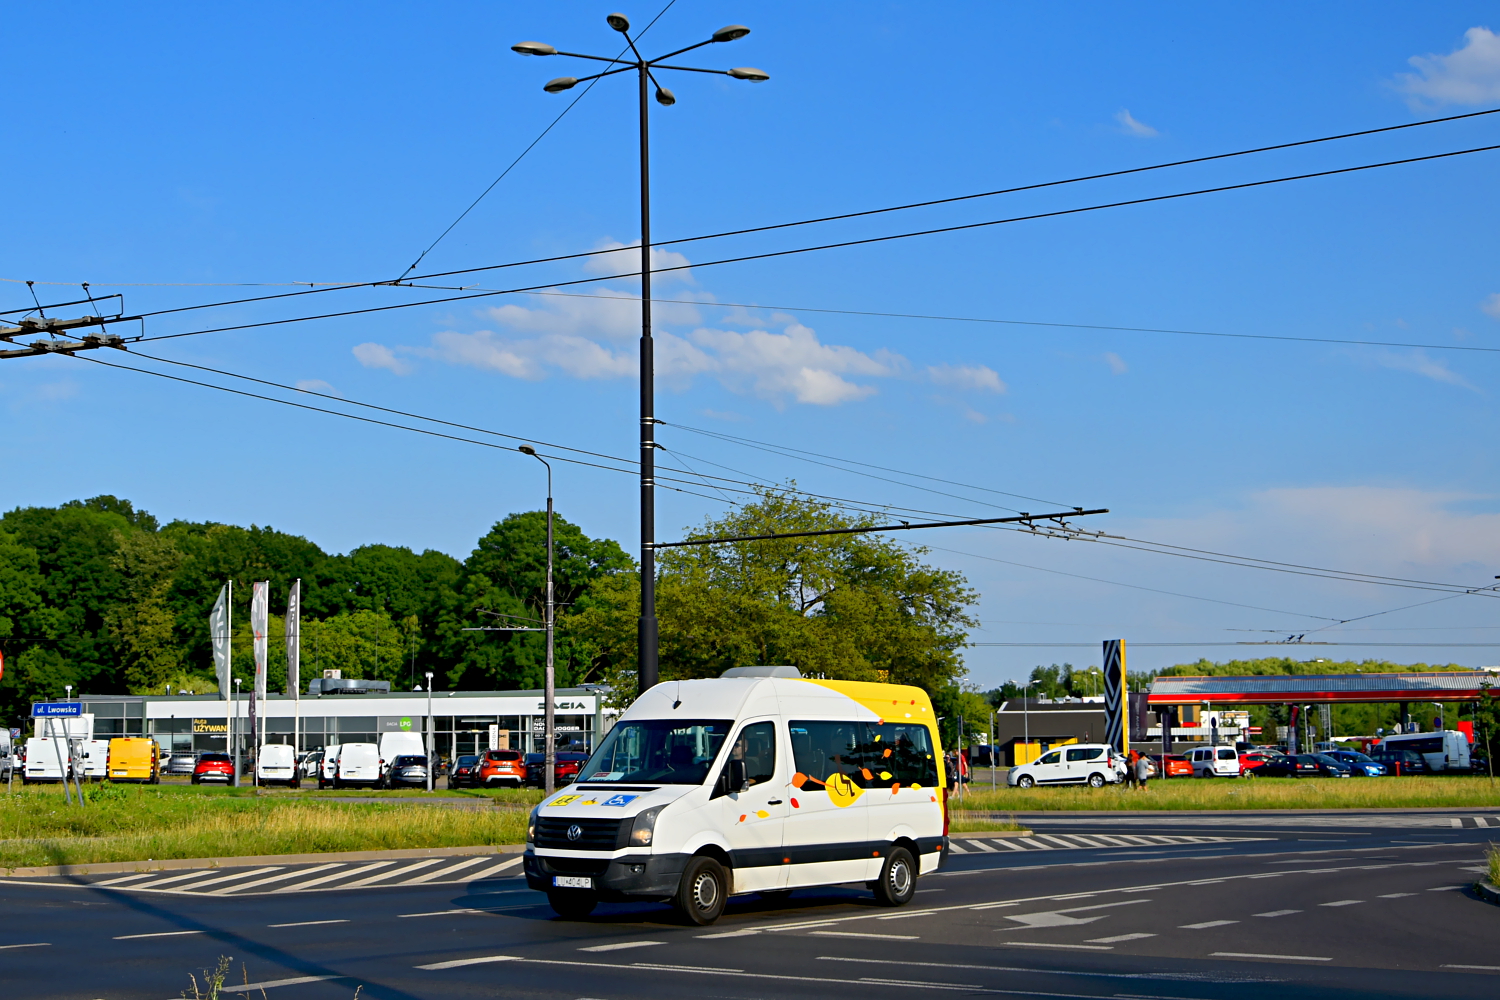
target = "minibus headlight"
x: 531, y: 826
x: 644, y: 827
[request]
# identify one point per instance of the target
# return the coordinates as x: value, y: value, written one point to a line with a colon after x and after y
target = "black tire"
x: 193, y: 780
x: 703, y: 891
x: 1025, y: 781
x: 898, y: 879
x: 338, y: 783
x: 572, y: 904
x: 1096, y: 780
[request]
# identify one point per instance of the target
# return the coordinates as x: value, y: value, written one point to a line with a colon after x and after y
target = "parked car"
x: 310, y: 764
x: 504, y: 767
x: 1252, y: 759
x: 1402, y: 762
x: 277, y: 764
x: 213, y: 767
x: 1332, y: 767
x: 1215, y: 762
x: 463, y: 771
x: 1360, y: 765
x: 407, y: 769
x: 1288, y: 766
x: 565, y: 768
x: 1172, y: 765
x: 1076, y: 764
x: 181, y: 763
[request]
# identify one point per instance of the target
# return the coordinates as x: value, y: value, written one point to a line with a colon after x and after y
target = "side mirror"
x: 739, y: 778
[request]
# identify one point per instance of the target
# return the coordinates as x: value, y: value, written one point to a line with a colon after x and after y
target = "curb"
x: 177, y: 864
x: 991, y: 834
x: 1487, y: 892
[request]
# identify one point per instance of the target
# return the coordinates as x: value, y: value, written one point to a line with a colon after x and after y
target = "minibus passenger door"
x: 750, y: 801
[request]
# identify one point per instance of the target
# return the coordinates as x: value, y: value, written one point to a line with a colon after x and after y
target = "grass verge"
x: 965, y: 821
x: 138, y: 823
x: 1493, y: 859
x: 1245, y: 793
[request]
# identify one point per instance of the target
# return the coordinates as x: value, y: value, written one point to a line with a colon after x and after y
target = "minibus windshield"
x: 660, y: 751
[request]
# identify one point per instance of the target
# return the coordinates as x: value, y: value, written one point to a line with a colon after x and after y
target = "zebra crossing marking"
x: 1076, y: 842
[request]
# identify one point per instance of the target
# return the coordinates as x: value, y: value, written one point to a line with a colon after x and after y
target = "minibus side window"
x: 871, y: 755
x: 756, y: 746
x: 903, y: 751
x: 823, y: 749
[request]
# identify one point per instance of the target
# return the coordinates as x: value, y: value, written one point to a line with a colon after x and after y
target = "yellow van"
x: 134, y: 758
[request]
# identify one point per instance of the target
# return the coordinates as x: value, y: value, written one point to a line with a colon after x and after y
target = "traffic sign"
x: 56, y: 709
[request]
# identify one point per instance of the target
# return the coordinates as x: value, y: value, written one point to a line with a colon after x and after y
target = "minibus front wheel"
x: 703, y: 890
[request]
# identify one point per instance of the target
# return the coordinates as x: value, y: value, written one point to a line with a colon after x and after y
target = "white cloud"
x: 1491, y: 305
x: 612, y: 316
x: 793, y: 363
x: 977, y: 377
x: 1419, y: 363
x: 380, y: 356
x: 1130, y: 126
x: 1116, y: 363
x: 626, y: 260
x: 531, y: 359
x: 1469, y: 74
x: 316, y: 385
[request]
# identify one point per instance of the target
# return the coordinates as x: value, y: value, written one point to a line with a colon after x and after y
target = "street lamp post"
x: 431, y: 748
x: 235, y: 749
x: 549, y: 733
x: 646, y: 635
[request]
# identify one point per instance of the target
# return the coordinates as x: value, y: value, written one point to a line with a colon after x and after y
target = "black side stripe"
x: 812, y: 854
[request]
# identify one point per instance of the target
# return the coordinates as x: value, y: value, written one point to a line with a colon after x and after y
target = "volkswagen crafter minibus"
x: 757, y: 781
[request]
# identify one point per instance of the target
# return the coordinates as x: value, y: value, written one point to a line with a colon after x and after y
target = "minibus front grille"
x: 594, y: 834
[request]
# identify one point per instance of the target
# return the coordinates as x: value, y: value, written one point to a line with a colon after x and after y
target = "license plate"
x: 572, y: 882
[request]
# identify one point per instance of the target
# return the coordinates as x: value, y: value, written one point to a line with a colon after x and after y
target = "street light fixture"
x: 647, y: 627
x: 549, y: 733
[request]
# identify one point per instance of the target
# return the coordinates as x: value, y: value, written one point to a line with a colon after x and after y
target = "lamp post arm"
x: 580, y: 55
x: 608, y: 72
x: 679, y: 52
x: 692, y: 69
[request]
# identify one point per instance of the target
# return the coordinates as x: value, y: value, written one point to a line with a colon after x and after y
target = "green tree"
x: 854, y: 607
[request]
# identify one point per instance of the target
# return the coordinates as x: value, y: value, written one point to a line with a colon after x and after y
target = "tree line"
x: 99, y: 595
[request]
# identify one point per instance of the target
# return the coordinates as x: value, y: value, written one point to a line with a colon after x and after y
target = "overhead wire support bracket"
x: 904, y: 526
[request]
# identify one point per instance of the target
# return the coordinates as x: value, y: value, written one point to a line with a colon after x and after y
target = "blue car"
x: 1360, y: 765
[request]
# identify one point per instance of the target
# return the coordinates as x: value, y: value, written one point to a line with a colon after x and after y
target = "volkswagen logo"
x: 575, y: 831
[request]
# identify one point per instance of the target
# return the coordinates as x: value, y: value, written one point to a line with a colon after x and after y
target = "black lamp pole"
x: 646, y: 635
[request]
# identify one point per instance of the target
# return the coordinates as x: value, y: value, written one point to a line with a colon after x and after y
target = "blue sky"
x: 187, y: 151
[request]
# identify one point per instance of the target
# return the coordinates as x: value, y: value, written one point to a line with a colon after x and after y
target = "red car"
x: 1252, y: 759
x: 564, y: 770
x: 213, y: 767
x: 500, y: 767
x: 1172, y: 765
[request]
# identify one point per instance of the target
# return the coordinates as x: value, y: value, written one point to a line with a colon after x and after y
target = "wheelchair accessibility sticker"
x: 619, y: 800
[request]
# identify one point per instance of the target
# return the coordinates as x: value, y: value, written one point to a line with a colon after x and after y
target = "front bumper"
x: 630, y: 876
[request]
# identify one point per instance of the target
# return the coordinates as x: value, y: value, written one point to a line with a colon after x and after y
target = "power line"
x: 464, y: 214
x: 1160, y: 645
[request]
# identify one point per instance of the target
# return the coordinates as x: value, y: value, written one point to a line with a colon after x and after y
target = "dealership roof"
x: 1445, y: 685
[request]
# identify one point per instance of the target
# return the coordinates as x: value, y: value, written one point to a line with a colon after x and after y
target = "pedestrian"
x: 1142, y: 770
x: 1130, y: 772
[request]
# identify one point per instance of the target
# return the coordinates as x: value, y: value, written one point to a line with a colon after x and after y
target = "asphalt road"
x: 1169, y: 907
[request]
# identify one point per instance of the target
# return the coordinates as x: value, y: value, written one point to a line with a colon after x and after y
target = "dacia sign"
x: 563, y: 706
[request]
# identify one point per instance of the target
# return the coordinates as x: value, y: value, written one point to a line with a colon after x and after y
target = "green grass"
x: 1494, y: 864
x: 141, y: 822
x: 1252, y: 793
x: 965, y: 821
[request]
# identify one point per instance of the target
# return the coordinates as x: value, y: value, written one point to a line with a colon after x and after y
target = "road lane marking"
x: 125, y: 878
x: 34, y: 944
x: 1485, y: 968
x: 622, y: 945
x: 856, y: 934
x: 273, y: 878
x: 1175, y: 977
x: 440, y: 873
x: 1044, y: 944
x: 175, y: 878
x: 981, y: 845
x: 1342, y: 902
x: 229, y: 878
x: 1061, y: 918
x: 336, y: 875
x: 441, y: 913
x: 273, y: 983
x: 1397, y: 895
x: 1278, y: 913
x: 1207, y: 924
x: 132, y: 937
x: 1446, y: 888
x: 490, y: 871
x: 1121, y: 937
x: 471, y: 961
x: 1253, y: 954
x: 681, y: 968
x: 392, y: 874
x: 308, y: 923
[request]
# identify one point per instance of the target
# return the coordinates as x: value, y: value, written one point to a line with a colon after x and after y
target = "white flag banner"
x: 218, y: 634
x: 260, y: 610
x: 294, y: 641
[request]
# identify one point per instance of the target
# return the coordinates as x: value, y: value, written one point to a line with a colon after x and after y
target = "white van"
x: 358, y: 764
x: 757, y: 781
x: 393, y: 745
x: 7, y: 755
x: 1444, y: 751
x: 1092, y: 764
x: 277, y: 763
x: 1215, y: 762
x: 328, y: 767
x: 48, y: 758
x: 93, y: 760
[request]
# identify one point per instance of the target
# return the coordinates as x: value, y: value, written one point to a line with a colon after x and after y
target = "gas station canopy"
x: 1281, y: 689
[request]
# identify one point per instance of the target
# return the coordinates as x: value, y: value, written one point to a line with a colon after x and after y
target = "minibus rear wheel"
x: 898, y: 879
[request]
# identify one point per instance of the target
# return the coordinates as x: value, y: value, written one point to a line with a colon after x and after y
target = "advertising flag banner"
x: 1117, y: 734
x: 294, y: 641
x: 218, y: 633
x: 260, y: 610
